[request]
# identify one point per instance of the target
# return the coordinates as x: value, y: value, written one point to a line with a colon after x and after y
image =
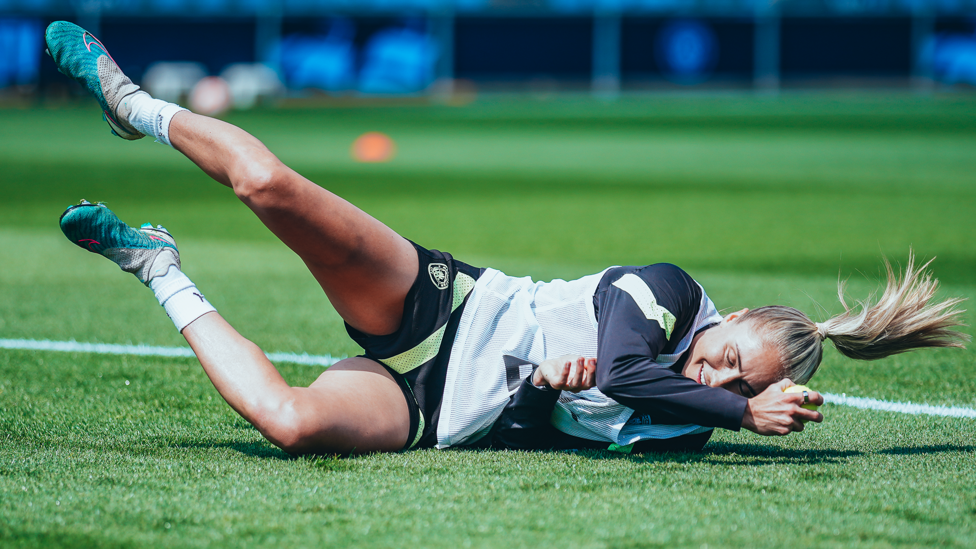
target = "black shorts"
x: 418, y: 352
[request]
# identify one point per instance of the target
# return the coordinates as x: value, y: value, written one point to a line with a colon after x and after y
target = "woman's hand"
x: 567, y: 373
x: 774, y: 412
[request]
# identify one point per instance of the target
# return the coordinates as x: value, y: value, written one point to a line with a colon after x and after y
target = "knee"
x: 282, y: 425
x: 258, y: 178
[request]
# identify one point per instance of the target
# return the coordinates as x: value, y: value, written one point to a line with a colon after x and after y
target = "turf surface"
x: 761, y: 199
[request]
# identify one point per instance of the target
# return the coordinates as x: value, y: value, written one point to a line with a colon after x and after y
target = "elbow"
x: 605, y: 381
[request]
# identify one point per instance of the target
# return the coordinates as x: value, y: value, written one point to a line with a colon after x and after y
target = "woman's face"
x: 733, y: 356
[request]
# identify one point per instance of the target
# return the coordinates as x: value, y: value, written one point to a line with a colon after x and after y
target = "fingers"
x: 589, y: 374
x: 808, y: 415
x: 567, y: 373
x: 789, y: 424
x: 777, y: 413
x: 582, y: 375
x: 781, y: 385
x: 561, y: 374
x: 556, y: 372
x: 574, y: 380
x: 813, y: 397
x: 797, y: 419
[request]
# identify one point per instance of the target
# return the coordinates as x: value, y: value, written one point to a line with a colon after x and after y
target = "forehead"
x: 759, y: 360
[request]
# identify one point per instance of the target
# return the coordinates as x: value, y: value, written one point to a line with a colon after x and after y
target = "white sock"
x: 152, y: 116
x: 180, y: 297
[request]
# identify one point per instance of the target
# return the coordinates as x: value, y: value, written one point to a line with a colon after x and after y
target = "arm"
x: 525, y: 422
x: 668, y: 397
x: 630, y: 341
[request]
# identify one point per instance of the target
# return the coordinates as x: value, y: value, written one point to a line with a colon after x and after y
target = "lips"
x: 701, y: 375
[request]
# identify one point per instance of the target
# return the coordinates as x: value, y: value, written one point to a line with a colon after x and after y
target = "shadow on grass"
x: 928, y: 449
x: 264, y: 450
x: 733, y: 455
x: 715, y: 454
x: 762, y: 455
x: 253, y: 449
x: 17, y: 537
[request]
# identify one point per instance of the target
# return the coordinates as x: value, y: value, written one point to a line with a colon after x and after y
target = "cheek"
x: 767, y: 375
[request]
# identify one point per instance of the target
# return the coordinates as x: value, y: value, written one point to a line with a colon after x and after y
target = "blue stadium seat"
x: 322, y: 62
x: 21, y: 42
x: 399, y: 60
x: 953, y: 58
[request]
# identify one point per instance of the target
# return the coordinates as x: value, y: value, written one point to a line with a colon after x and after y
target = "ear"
x: 732, y: 317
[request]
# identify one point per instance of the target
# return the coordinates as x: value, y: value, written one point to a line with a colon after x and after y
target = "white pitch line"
x: 899, y: 407
x: 148, y: 350
x: 329, y: 360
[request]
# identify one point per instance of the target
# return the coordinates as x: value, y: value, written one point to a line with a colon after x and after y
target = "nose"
x: 724, y: 377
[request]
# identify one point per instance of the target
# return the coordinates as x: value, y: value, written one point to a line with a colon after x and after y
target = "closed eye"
x: 744, y: 390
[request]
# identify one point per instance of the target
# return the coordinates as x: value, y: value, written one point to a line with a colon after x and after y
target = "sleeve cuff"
x: 735, y: 411
x: 534, y: 396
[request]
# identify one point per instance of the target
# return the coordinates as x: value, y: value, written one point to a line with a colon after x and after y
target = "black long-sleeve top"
x: 628, y: 344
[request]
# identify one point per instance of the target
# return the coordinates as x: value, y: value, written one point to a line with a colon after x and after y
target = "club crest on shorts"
x: 438, y: 275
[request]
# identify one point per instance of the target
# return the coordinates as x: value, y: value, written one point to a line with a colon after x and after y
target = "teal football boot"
x: 146, y: 252
x: 80, y: 56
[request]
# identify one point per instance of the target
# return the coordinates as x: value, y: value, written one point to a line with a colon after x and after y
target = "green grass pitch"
x: 762, y: 199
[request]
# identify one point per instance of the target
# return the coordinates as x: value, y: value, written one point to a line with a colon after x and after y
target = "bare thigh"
x: 368, y: 409
x: 364, y: 267
x: 355, y: 405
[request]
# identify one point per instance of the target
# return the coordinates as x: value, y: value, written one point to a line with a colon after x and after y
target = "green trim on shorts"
x: 428, y: 348
x: 420, y: 418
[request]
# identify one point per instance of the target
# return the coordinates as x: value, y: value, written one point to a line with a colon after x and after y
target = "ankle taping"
x: 152, y: 116
x: 180, y: 298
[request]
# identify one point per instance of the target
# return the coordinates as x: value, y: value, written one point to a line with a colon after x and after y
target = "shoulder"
x: 669, y: 284
x: 661, y: 292
x: 666, y: 274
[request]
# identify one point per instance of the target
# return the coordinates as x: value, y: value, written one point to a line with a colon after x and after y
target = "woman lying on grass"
x: 450, y: 349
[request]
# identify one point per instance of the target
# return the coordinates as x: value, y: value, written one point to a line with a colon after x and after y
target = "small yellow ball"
x: 800, y: 389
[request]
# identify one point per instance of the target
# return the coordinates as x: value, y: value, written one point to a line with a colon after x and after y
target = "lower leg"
x: 354, y: 406
x: 365, y: 268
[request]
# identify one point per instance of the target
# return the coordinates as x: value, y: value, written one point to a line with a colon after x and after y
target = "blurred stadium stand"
x: 411, y: 47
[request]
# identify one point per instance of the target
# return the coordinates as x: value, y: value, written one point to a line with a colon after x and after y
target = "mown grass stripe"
x: 148, y: 350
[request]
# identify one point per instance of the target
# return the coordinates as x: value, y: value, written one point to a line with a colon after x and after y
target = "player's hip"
x: 417, y: 353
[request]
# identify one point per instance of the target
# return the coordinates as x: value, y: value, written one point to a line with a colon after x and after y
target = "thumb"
x: 783, y: 384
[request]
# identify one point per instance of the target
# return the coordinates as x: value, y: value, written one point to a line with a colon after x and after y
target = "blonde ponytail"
x: 903, y: 319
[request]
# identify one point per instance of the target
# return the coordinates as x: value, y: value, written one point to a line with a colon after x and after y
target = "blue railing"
x: 196, y: 8
x: 408, y: 58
